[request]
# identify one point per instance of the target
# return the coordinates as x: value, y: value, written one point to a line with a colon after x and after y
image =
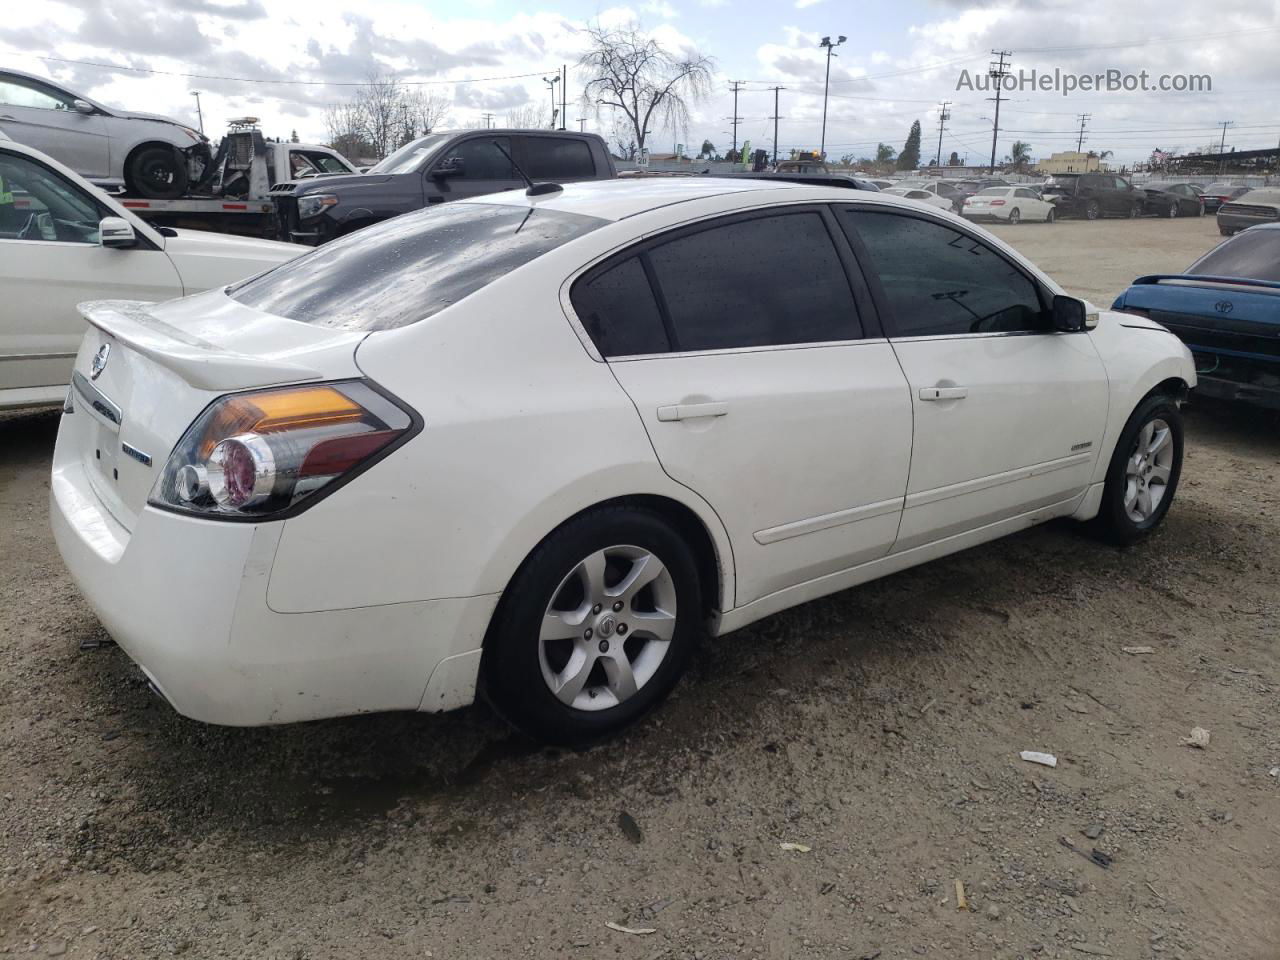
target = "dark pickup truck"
x: 437, y: 168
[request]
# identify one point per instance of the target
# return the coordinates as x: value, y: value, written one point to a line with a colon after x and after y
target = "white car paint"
x: 379, y: 596
x: 920, y: 196
x: 45, y: 278
x: 999, y: 203
x: 95, y: 140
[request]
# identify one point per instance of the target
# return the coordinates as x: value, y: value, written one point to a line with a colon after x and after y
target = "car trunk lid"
x: 144, y: 372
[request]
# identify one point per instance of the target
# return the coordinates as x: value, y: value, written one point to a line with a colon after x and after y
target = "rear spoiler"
x: 204, y: 365
x: 1156, y: 278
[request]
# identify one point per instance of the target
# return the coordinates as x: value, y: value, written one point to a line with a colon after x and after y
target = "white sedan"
x: 535, y: 445
x: 63, y: 241
x: 1010, y: 205
x: 922, y: 196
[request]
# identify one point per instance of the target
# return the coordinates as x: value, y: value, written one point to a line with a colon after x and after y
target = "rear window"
x: 410, y: 267
x: 994, y: 192
x: 558, y: 158
x: 1251, y: 255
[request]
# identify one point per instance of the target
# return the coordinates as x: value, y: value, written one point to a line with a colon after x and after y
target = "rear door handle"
x: 943, y: 393
x: 691, y: 411
x: 7, y: 117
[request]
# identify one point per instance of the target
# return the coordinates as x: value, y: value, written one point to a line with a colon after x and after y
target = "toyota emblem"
x: 99, y: 361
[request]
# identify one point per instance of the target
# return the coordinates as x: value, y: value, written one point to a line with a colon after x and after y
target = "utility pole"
x: 488, y: 120
x: 582, y: 124
x: 1222, y: 146
x: 997, y: 72
x: 564, y: 95
x: 737, y: 85
x: 775, y: 118
x: 1083, y: 118
x: 943, y: 116
x: 826, y: 87
x: 199, y: 112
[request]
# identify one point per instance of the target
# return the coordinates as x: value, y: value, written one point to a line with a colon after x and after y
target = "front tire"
x: 1225, y: 232
x: 1051, y: 216
x: 1143, y: 475
x: 595, y: 628
x: 1173, y: 211
x: 158, y: 173
x: 1092, y: 211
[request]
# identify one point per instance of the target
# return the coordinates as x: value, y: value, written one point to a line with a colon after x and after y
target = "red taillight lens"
x: 997, y: 203
x: 256, y: 455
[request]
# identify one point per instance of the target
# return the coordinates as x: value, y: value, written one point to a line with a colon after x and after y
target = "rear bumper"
x: 186, y: 599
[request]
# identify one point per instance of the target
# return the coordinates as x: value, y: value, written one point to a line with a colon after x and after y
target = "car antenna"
x: 535, y: 189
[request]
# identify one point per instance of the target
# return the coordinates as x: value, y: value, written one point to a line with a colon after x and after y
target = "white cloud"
x: 801, y: 4
x: 660, y: 8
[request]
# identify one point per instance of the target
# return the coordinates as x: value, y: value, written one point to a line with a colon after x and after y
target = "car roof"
x: 619, y: 199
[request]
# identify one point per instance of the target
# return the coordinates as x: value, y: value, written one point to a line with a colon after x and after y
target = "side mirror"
x: 83, y: 106
x: 450, y: 167
x: 116, y: 232
x: 1069, y: 314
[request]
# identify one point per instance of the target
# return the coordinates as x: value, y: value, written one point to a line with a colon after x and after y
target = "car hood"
x: 206, y: 260
x: 346, y: 182
x: 222, y: 244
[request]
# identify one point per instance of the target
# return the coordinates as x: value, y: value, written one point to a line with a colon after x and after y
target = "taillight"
x: 997, y: 203
x: 257, y: 455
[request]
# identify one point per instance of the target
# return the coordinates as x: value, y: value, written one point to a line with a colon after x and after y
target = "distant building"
x: 1070, y: 161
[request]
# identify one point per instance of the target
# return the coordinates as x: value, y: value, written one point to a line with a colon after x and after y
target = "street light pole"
x: 826, y: 87
x: 551, y: 86
x: 199, y: 112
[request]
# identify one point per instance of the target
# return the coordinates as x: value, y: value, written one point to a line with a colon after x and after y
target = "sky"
x: 900, y: 59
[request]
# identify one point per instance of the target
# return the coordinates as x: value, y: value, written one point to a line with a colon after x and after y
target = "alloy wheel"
x: 1147, y: 470
x: 607, y: 628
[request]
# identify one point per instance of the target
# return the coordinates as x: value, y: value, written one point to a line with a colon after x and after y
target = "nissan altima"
x: 534, y: 446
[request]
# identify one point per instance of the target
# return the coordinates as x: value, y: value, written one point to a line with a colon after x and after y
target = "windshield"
x: 412, y: 155
x: 410, y: 267
x: 1253, y: 255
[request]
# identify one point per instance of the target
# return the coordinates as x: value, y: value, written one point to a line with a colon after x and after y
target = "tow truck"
x: 233, y: 194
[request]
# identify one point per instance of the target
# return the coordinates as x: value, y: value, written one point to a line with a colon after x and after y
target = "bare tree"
x: 344, y: 129
x: 380, y: 102
x: 528, y: 116
x: 423, y: 110
x: 630, y: 71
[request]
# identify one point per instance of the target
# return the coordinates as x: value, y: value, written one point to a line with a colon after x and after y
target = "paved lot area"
x: 879, y: 728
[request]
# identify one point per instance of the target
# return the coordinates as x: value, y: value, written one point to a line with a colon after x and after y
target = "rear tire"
x: 1173, y: 211
x: 158, y: 173
x: 1225, y: 232
x: 1014, y: 216
x: 573, y: 654
x: 1092, y: 211
x: 1135, y: 212
x: 1143, y: 475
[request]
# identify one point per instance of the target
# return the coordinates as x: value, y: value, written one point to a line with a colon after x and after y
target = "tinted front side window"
x: 410, y: 267
x: 758, y: 282
x: 619, y: 311
x: 552, y: 158
x: 1254, y: 255
x: 482, y: 159
x: 38, y: 204
x: 939, y: 281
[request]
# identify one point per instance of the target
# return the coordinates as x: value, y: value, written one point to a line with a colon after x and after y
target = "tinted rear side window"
x: 558, y: 158
x: 759, y: 282
x: 619, y: 311
x: 1253, y: 255
x: 939, y: 281
x: 410, y: 267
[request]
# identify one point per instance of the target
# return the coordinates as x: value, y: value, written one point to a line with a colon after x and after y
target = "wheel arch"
x: 715, y: 569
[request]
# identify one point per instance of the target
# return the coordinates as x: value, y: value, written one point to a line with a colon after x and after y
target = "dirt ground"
x: 879, y: 729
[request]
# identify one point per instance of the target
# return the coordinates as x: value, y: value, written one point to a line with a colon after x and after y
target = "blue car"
x: 1226, y: 309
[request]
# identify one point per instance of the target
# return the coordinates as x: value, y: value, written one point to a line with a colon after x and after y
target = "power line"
x: 311, y: 83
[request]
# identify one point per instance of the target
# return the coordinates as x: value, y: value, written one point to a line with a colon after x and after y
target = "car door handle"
x: 943, y: 393
x: 5, y: 116
x: 691, y: 411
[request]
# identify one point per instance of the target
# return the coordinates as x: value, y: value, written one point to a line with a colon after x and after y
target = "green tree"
x: 1021, y: 154
x: 955, y: 159
x: 293, y: 137
x: 885, y: 154
x: 909, y: 158
x: 708, y: 150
